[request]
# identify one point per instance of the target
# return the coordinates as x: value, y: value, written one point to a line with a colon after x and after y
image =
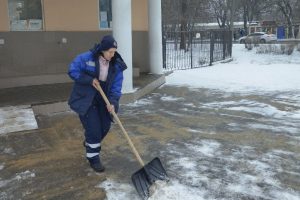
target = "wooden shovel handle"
x: 121, y: 126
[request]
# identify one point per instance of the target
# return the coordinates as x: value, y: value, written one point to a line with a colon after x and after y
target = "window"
x: 25, y: 15
x: 105, y: 14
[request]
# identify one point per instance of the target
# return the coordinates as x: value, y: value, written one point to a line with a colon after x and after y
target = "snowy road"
x: 242, y: 126
x: 238, y: 147
x: 226, y: 132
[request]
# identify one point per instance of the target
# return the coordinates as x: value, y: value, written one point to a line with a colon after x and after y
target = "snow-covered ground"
x: 259, y: 93
x: 249, y: 72
x: 17, y: 118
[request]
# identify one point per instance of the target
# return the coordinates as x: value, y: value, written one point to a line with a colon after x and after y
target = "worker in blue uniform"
x: 101, y: 66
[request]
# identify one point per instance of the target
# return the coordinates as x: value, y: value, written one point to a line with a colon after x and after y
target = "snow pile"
x: 17, y: 118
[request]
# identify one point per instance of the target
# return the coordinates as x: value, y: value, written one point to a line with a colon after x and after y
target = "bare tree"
x: 224, y: 12
x: 183, y: 24
x: 297, y: 11
x: 253, y: 9
x: 286, y: 8
x: 233, y: 8
x: 220, y: 10
x: 182, y: 15
x: 180, y: 11
x: 170, y: 16
x: 187, y: 20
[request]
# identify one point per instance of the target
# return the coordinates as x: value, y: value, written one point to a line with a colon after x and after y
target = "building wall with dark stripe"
x: 27, y: 54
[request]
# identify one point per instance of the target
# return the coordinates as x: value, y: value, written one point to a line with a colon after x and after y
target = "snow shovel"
x: 149, y: 173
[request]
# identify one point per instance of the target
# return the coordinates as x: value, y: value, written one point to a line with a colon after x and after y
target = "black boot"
x: 96, y: 164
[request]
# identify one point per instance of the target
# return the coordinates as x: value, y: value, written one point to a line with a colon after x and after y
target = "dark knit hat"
x: 108, y: 42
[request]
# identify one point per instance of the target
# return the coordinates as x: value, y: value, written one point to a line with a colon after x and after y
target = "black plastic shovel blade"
x: 145, y: 177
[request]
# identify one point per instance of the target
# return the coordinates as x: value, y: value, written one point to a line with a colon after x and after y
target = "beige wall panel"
x: 140, y: 15
x: 71, y: 15
x: 4, y: 20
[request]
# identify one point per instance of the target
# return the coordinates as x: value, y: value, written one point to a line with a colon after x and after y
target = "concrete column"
x: 155, y: 36
x: 122, y: 32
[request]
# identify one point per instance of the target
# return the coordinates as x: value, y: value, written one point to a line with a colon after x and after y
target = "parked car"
x: 258, y: 37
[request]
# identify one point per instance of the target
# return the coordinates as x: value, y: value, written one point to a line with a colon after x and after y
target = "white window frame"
x: 27, y: 26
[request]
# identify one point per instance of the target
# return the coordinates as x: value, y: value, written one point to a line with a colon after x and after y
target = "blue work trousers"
x: 96, y: 122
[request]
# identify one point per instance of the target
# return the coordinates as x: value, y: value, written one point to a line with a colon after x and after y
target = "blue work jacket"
x: 85, y: 68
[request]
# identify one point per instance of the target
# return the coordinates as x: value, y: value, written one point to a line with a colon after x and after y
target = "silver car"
x: 258, y: 37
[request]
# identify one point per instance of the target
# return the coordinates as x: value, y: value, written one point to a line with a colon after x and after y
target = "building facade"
x: 39, y: 38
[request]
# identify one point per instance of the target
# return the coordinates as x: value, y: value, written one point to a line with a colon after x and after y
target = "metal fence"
x: 192, y: 49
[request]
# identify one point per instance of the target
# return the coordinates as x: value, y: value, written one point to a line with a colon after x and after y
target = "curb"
x: 62, y: 106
